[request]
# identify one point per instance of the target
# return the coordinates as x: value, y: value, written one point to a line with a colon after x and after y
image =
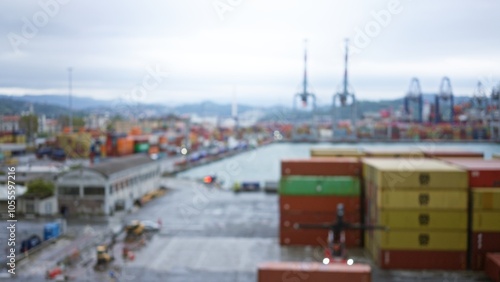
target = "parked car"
x: 58, y: 155
x: 42, y: 152
x: 30, y: 243
x: 150, y: 225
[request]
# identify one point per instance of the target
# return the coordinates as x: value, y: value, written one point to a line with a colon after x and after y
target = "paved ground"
x: 212, y: 235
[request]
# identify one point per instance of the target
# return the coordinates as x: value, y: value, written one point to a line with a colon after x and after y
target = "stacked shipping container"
x: 310, y: 191
x: 484, y: 183
x: 492, y: 266
x: 435, y: 153
x: 336, y: 152
x: 423, y: 202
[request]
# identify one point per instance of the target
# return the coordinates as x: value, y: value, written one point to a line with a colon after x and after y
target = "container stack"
x: 423, y: 202
x: 492, y: 266
x: 310, y: 190
x: 484, y: 183
x: 336, y: 152
x: 394, y: 153
x: 440, y: 153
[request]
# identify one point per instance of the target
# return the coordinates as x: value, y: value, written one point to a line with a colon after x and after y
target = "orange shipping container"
x: 313, y: 271
x: 492, y: 267
x: 316, y: 237
x: 153, y: 150
x: 442, y: 260
x: 321, y: 167
x: 318, y: 203
x: 288, y: 220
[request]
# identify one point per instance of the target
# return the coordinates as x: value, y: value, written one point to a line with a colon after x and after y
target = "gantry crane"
x: 304, y: 97
x: 445, y: 96
x: 346, y: 98
x: 495, y: 113
x: 414, y: 95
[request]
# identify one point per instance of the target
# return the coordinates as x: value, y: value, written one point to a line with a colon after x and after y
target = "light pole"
x: 70, y: 101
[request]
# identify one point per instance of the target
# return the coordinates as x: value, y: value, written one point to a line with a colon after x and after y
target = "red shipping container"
x: 318, y: 203
x: 287, y: 220
x: 492, y: 266
x: 313, y: 271
x: 452, y: 154
x: 321, y: 167
x: 442, y: 260
x: 482, y: 173
x: 316, y: 237
x: 482, y: 243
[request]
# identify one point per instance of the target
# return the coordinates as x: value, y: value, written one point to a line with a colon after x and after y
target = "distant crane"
x: 304, y: 98
x: 479, y: 100
x: 414, y: 95
x: 446, y: 95
x: 495, y: 113
x: 345, y: 97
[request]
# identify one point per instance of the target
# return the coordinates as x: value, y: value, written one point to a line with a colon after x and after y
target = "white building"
x: 9, y: 123
x: 34, y: 205
x: 108, y: 186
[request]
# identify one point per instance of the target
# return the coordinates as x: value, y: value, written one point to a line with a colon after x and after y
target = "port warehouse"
x: 109, y: 186
x: 442, y: 208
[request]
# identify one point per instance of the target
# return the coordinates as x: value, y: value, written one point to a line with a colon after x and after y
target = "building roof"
x: 120, y: 164
x: 10, y: 118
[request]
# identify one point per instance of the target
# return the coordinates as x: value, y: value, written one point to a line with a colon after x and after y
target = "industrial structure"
x: 109, y: 186
x: 304, y: 130
x: 495, y: 113
x: 346, y: 98
x: 414, y: 96
x: 444, y: 99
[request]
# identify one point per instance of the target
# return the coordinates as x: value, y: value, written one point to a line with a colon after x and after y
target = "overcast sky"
x: 211, y: 49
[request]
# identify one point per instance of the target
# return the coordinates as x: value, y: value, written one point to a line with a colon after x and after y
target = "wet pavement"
x: 210, y: 235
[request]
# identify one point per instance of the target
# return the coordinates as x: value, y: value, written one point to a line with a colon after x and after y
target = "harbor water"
x: 263, y: 164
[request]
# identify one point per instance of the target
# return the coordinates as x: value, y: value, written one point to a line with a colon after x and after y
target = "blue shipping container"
x: 51, y: 230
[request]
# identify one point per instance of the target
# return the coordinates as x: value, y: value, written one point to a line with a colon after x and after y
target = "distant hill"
x: 13, y: 106
x: 55, y: 105
x: 78, y: 102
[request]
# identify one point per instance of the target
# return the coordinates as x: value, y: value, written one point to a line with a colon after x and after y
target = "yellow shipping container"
x: 336, y: 152
x: 394, y: 153
x: 368, y: 171
x: 422, y: 200
x: 422, y: 240
x: 484, y: 221
x: 486, y: 198
x: 370, y: 246
x: 19, y: 139
x: 423, y: 220
x: 416, y: 174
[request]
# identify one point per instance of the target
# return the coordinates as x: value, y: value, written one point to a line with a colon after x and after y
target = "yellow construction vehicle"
x: 134, y: 230
x: 104, y: 257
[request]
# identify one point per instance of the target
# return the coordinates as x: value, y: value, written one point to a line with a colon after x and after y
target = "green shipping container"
x: 317, y: 186
x: 141, y: 147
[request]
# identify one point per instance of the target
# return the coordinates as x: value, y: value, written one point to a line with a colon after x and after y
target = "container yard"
x: 434, y: 222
